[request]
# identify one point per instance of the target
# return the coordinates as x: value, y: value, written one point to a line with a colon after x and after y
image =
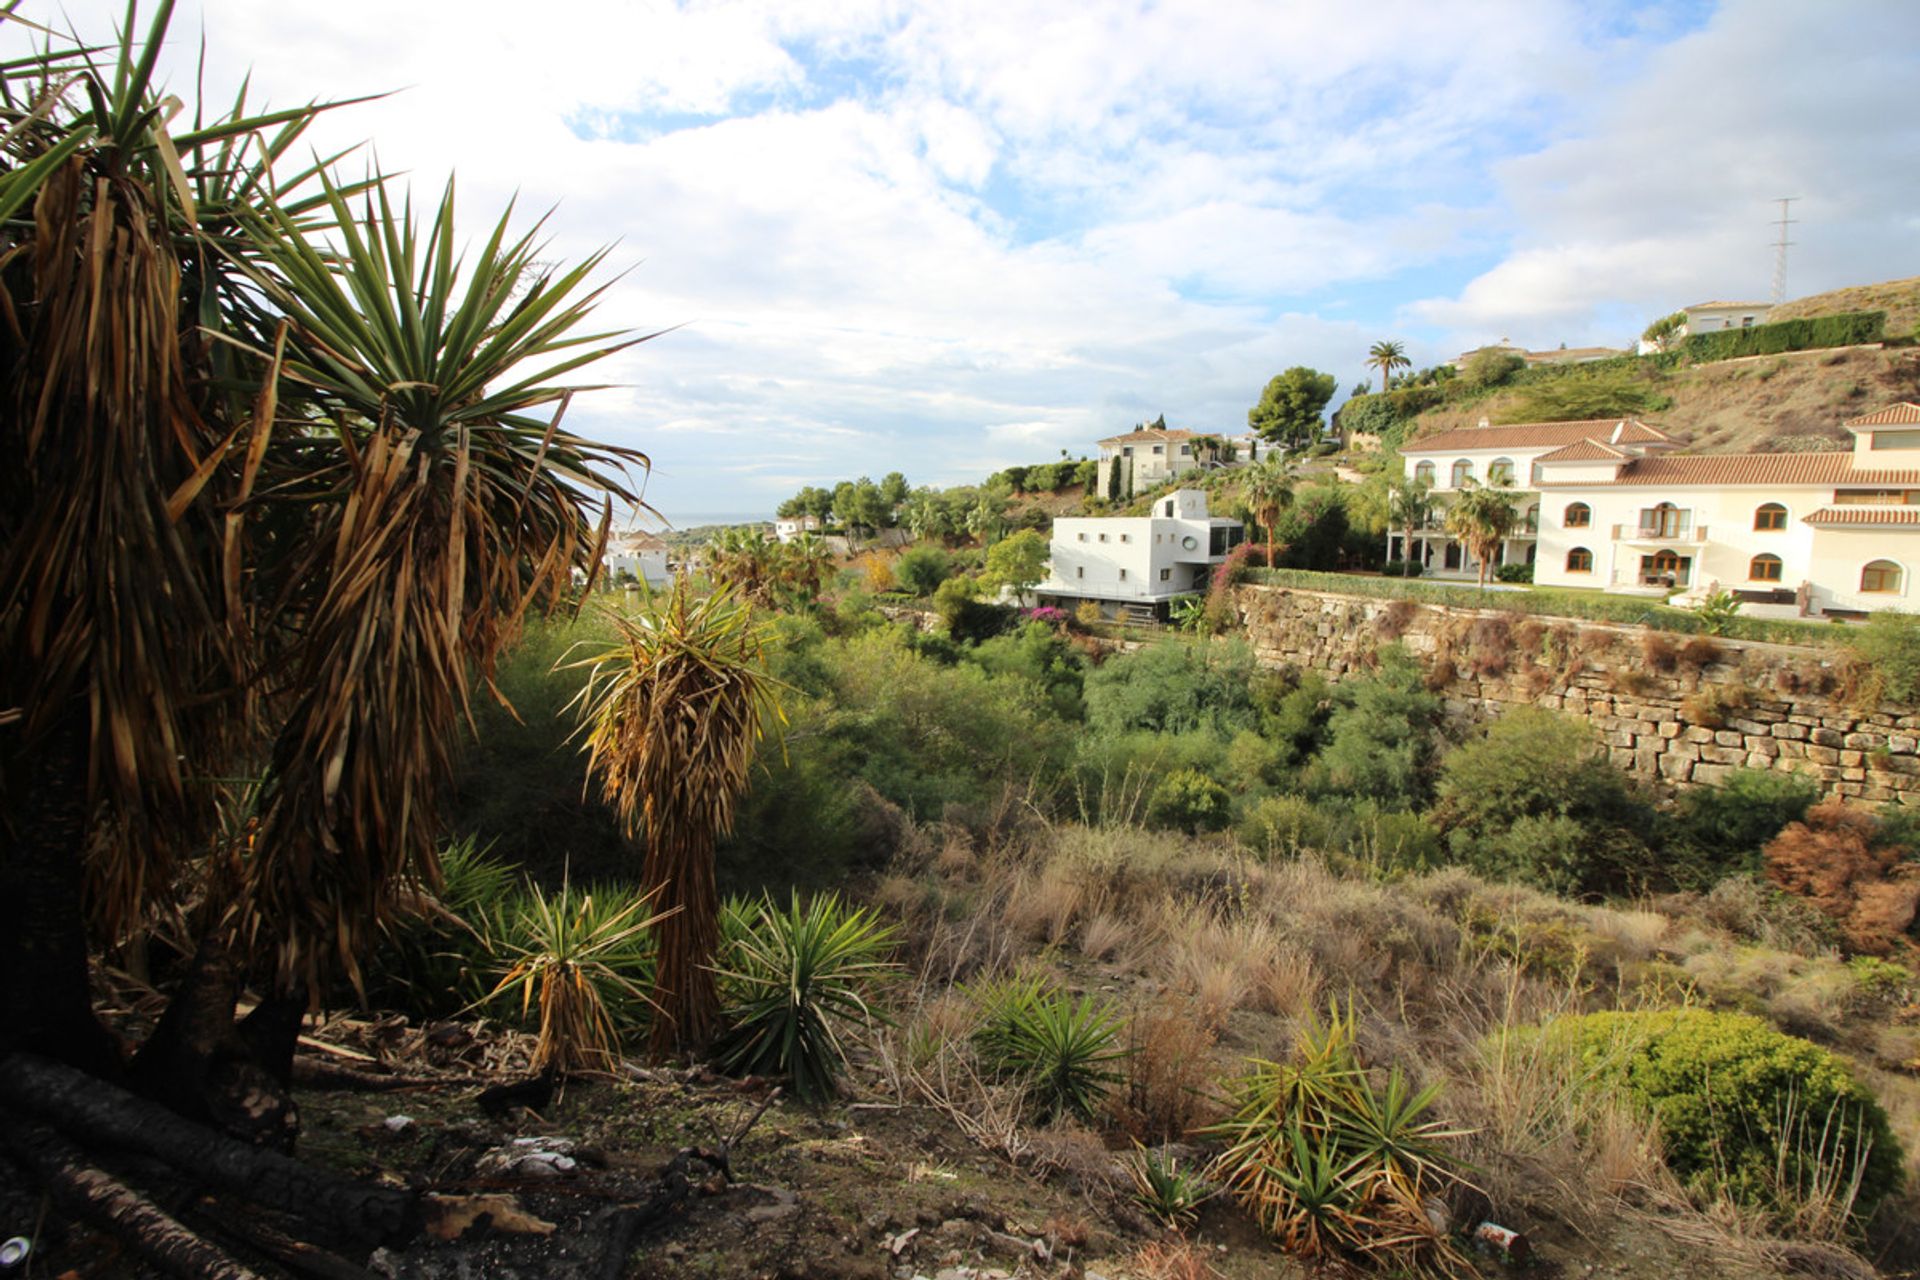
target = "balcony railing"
x: 1644, y: 533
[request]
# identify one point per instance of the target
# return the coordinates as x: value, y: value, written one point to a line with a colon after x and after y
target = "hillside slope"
x: 1900, y: 299
x: 1787, y: 403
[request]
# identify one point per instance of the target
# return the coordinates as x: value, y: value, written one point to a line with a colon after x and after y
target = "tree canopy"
x: 1289, y: 412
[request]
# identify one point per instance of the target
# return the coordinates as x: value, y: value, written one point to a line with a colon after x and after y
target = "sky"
x: 943, y: 238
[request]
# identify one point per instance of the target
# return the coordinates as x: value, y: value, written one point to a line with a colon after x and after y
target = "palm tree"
x: 672, y: 713
x: 285, y: 472
x: 805, y: 565
x: 1267, y: 491
x: 1410, y: 506
x: 1386, y: 357
x: 1481, y: 517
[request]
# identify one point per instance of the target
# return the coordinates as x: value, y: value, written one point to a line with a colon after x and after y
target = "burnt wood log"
x: 116, y: 1208
x: 104, y: 1115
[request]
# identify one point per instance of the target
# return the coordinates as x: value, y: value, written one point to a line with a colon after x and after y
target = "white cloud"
x: 947, y: 237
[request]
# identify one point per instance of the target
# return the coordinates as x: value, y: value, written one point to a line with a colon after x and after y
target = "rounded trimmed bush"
x: 1766, y: 1116
x: 1191, y: 801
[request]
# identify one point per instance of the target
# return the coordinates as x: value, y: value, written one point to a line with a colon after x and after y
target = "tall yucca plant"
x: 283, y: 471
x: 672, y: 713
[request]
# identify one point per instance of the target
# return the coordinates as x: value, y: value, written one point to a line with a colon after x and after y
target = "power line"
x: 1780, y: 250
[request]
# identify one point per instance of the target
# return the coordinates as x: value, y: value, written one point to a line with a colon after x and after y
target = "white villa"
x: 1134, y: 565
x: 1834, y: 534
x: 787, y: 528
x: 1147, y: 457
x: 640, y: 554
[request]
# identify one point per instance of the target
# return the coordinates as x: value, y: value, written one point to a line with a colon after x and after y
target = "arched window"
x: 1423, y: 473
x: 1770, y: 515
x: 1666, y: 562
x: 1500, y: 471
x: 1881, y: 575
x: 1662, y: 521
x: 1764, y: 569
x: 1462, y: 472
x: 1579, y: 515
x: 1579, y: 560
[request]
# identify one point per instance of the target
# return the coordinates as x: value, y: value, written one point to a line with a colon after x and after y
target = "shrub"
x: 1166, y: 1190
x: 1089, y: 614
x: 1190, y: 801
x: 1729, y: 825
x: 1490, y: 367
x: 1037, y: 653
x: 1394, y: 569
x: 1514, y: 573
x: 1061, y: 1049
x: 1771, y: 1119
x: 1587, y: 392
x: 1838, y: 861
x: 1284, y: 824
x: 1889, y: 648
x: 1169, y: 1071
x: 790, y: 978
x: 1331, y: 1163
x: 1172, y: 687
x: 1536, y: 799
x: 1380, y: 736
x: 434, y: 955
x: 1718, y: 611
x: 922, y: 569
x: 575, y: 957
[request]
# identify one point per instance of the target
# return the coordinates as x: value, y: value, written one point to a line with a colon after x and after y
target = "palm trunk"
x: 46, y: 1005
x: 680, y: 868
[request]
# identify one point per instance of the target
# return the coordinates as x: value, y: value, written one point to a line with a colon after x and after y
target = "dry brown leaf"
x: 450, y: 1217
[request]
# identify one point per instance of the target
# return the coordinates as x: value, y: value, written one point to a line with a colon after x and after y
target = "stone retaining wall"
x: 1681, y: 709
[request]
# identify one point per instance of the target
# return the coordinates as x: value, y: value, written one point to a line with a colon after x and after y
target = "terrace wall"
x: 1686, y: 710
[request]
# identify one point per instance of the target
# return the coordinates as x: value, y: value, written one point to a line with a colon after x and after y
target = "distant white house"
x: 1147, y: 457
x: 1136, y: 564
x: 1705, y: 317
x: 640, y: 554
x: 787, y: 528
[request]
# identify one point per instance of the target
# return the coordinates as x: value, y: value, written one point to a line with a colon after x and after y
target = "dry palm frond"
x: 672, y: 714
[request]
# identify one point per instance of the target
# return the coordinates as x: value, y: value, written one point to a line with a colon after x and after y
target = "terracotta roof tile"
x: 1750, y: 468
x: 1533, y: 435
x: 1881, y: 516
x: 1151, y: 436
x: 1906, y: 413
x: 1588, y: 450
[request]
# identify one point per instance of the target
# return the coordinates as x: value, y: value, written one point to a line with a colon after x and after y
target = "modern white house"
x: 1134, y: 565
x: 1451, y: 461
x: 1147, y: 457
x: 637, y: 553
x: 1706, y: 317
x: 787, y: 528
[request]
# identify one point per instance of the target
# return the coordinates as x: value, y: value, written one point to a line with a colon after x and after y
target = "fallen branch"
x: 113, y: 1206
x: 297, y: 1256
x: 100, y: 1113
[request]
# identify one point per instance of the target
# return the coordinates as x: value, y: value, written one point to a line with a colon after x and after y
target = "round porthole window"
x: 1190, y: 542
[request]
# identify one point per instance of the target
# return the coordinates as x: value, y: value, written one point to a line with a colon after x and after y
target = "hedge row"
x: 1629, y: 610
x: 1843, y: 330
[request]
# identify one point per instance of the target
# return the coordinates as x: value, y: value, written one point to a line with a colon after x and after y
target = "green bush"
x: 1172, y: 687
x: 1284, y: 825
x: 1586, y: 391
x: 433, y: 959
x: 790, y: 979
x: 1037, y: 653
x: 1376, y: 415
x: 1380, y: 736
x: 1490, y: 368
x: 1729, y: 825
x: 1062, y: 1049
x: 1514, y: 573
x: 1843, y: 330
x: 1536, y: 799
x: 922, y: 569
x: 1889, y: 647
x: 1190, y: 801
x: 1767, y: 1117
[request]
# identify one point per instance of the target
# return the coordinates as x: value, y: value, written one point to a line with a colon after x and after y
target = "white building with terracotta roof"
x: 640, y: 554
x: 1509, y: 456
x: 1797, y: 533
x: 1707, y: 317
x: 1147, y: 457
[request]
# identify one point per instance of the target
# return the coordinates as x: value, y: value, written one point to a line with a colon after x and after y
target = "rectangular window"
x: 1080, y: 572
x: 1185, y: 452
x: 1159, y: 449
x: 1123, y: 575
x: 1126, y: 537
x: 1166, y: 575
x: 1103, y: 537
x: 1081, y: 536
x: 1896, y: 440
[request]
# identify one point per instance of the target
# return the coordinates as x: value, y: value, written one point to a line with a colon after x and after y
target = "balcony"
x: 1656, y: 533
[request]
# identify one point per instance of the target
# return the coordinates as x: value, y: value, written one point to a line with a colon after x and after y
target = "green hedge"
x: 1843, y: 330
x: 1631, y: 610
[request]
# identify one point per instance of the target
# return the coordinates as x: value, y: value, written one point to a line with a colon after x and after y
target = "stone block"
x: 1722, y: 755
x: 1728, y: 737
x: 1711, y: 775
x: 1698, y: 733
x: 1822, y: 755
x: 1683, y: 750
x: 1670, y: 728
x: 1759, y: 761
x: 1827, y: 737
x: 1853, y: 774
x: 1646, y: 759
x: 1903, y: 742
x: 1676, y: 768
x: 1791, y: 732
x: 1862, y: 741
x: 1853, y: 759
x: 1766, y: 748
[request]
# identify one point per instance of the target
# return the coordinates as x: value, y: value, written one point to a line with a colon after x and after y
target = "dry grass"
x: 1172, y: 1260
x: 1171, y: 1072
